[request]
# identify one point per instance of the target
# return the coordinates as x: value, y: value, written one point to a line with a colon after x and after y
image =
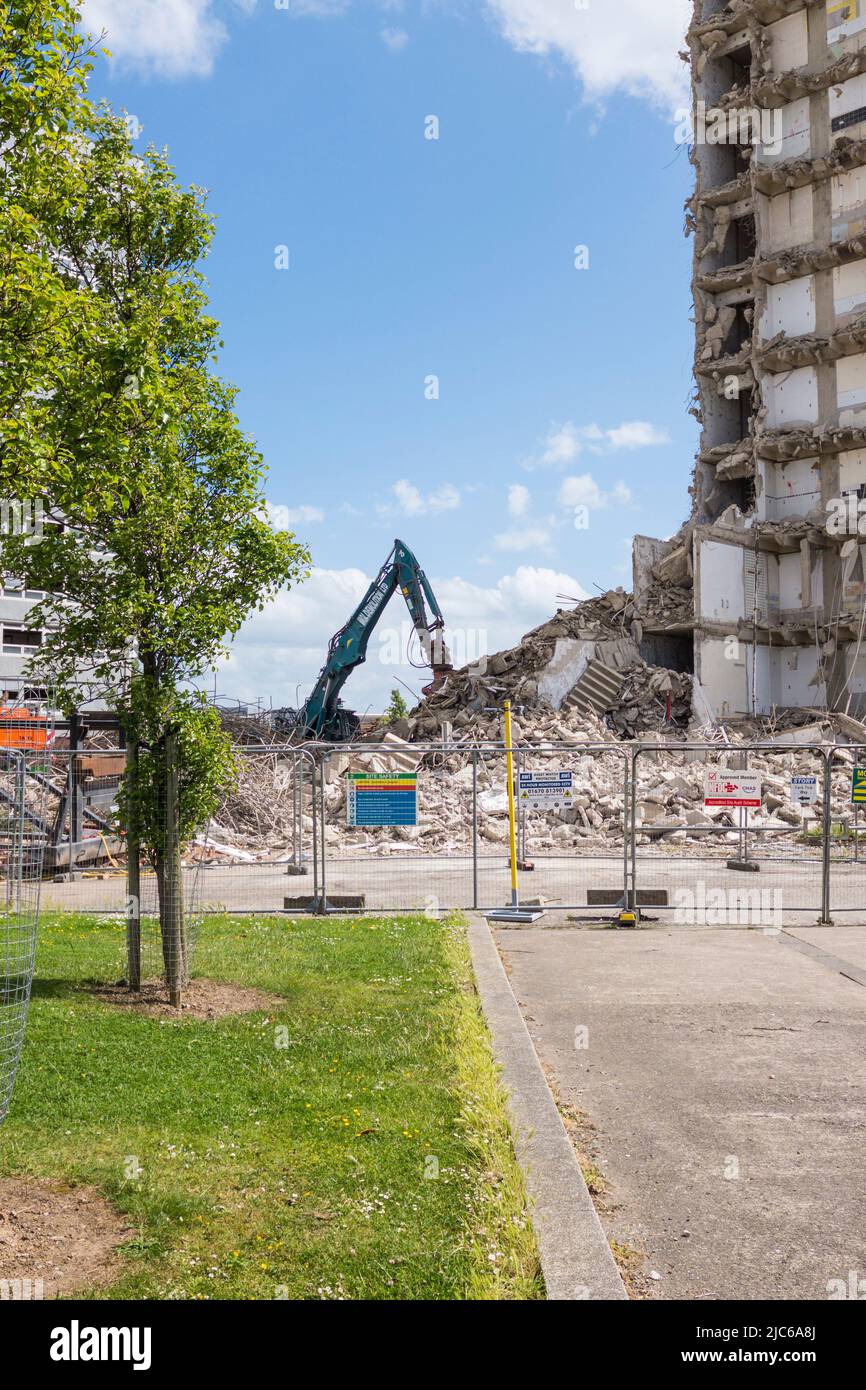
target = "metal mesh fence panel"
x: 847, y: 833
x: 260, y: 847
x: 22, y: 844
x: 723, y: 864
x: 285, y: 838
x: 456, y: 853
x: 570, y: 856
x: 424, y: 863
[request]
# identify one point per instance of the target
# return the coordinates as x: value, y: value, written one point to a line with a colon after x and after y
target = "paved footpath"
x: 725, y: 1076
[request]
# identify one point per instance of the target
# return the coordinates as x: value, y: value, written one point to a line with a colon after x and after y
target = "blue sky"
x: 412, y: 258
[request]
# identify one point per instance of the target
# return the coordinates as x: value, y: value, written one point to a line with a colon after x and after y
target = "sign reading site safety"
x: 732, y: 789
x: 804, y: 791
x: 378, y: 800
x: 545, y: 791
x: 858, y: 787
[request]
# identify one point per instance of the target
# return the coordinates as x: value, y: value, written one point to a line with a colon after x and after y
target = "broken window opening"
x: 745, y: 238
x: 674, y: 651
x: 740, y: 333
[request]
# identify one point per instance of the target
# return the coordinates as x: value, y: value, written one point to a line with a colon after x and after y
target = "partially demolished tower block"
x: 778, y: 528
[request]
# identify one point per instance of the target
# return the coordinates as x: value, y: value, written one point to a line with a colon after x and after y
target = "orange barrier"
x: 20, y: 728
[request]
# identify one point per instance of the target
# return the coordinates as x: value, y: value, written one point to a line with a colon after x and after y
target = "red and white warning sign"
x: 723, y: 788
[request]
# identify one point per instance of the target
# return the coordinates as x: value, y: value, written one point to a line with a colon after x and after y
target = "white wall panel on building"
x: 791, y: 308
x: 789, y: 40
x: 856, y: 668
x: 796, y: 142
x: 789, y: 219
x: 791, y: 398
x: 848, y: 203
x: 795, y: 669
x: 720, y: 590
x: 852, y: 470
x: 848, y: 108
x: 790, y: 489
x: 851, y: 385
x: 790, y: 582
x: 849, y: 290
x: 722, y: 669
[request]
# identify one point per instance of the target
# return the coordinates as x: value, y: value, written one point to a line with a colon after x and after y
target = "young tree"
x: 397, y: 708
x: 160, y: 548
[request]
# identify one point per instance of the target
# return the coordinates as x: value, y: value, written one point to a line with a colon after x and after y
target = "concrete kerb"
x: 575, y: 1257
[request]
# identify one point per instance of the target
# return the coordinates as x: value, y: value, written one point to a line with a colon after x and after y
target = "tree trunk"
x: 133, y: 876
x: 170, y: 881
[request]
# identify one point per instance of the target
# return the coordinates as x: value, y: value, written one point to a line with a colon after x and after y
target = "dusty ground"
x: 67, y: 1238
x: 201, y: 999
x: 724, y: 1077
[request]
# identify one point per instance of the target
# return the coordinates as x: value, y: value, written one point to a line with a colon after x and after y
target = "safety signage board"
x: 858, y: 787
x: 545, y: 791
x: 804, y: 791
x: 732, y: 789
x: 378, y: 800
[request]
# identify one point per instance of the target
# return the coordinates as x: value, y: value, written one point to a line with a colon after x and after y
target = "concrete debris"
x: 568, y: 676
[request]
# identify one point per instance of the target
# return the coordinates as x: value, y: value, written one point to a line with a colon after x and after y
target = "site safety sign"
x: 545, y: 791
x: 732, y: 789
x: 804, y: 791
x: 375, y: 800
x: 858, y: 787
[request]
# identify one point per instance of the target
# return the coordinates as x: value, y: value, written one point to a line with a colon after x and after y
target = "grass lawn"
x: 352, y: 1143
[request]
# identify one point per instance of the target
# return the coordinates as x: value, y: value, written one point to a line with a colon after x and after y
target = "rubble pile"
x: 652, y: 699
x: 541, y: 674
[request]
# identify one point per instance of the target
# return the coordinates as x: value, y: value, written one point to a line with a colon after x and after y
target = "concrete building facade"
x: 774, y: 553
x: 20, y: 640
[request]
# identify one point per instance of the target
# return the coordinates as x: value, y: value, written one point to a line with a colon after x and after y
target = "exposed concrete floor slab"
x: 726, y: 1077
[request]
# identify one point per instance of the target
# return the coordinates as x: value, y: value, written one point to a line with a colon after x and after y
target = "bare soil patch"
x: 65, y: 1237
x: 202, y: 999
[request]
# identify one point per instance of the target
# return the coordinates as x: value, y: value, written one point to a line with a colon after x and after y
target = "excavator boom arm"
x: 321, y: 717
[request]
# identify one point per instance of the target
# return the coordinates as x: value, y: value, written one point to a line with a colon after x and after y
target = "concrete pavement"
x: 725, y: 1075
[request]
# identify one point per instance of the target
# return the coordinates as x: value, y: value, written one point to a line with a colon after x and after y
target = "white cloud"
x: 179, y: 38
x: 518, y: 499
x: 318, y: 9
x: 630, y: 46
x: 563, y: 444
x: 637, y: 434
x: 584, y: 491
x: 285, y: 645
x: 411, y: 501
x: 163, y: 38
x: 282, y: 517
x: 395, y: 39
x: 523, y: 538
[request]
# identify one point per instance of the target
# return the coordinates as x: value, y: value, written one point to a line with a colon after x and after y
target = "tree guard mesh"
x: 22, y: 847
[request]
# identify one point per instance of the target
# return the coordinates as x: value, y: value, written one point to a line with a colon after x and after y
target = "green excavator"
x: 323, y: 717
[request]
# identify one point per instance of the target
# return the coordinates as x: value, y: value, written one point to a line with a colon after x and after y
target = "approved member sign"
x: 732, y: 789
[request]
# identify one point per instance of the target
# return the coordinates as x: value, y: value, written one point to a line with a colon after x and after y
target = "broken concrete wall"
x: 778, y: 218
